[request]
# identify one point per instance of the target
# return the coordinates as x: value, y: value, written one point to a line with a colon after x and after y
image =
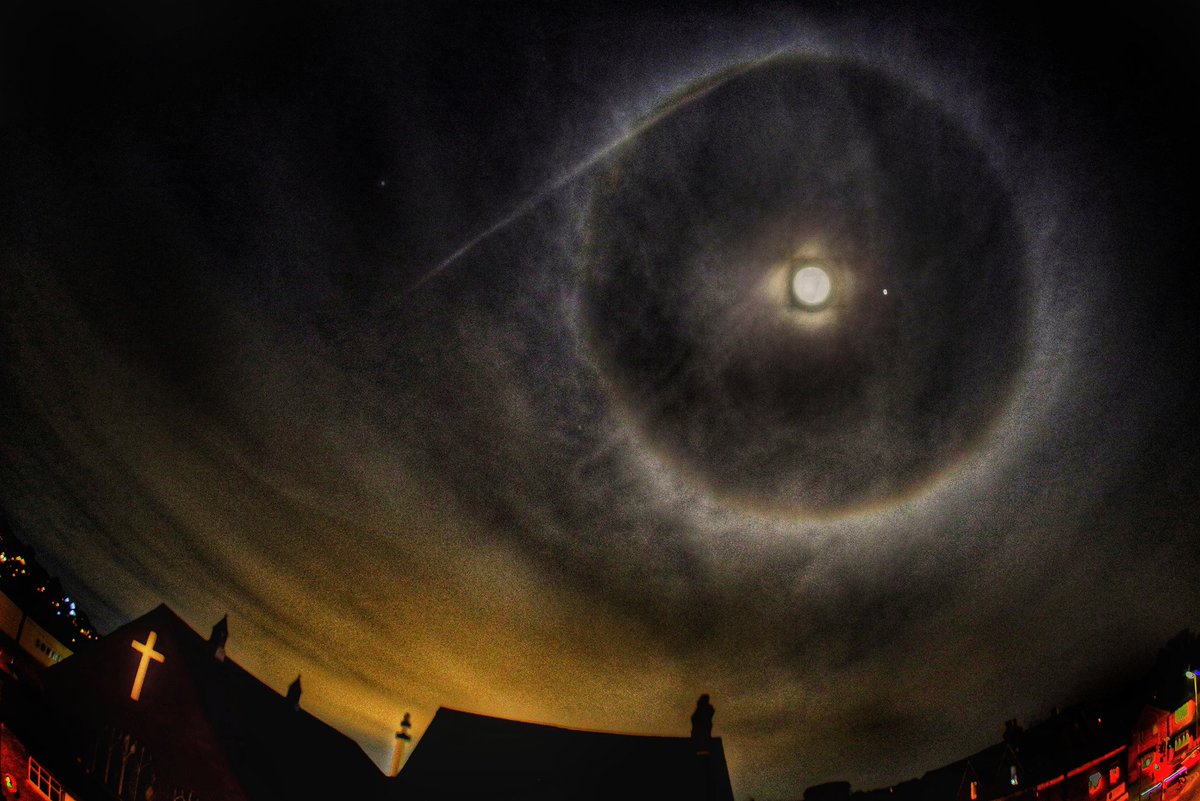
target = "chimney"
x: 702, y: 721
x: 402, y: 740
x: 216, y: 640
x: 293, y: 694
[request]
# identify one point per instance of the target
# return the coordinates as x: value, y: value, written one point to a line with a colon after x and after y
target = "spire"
x: 402, y: 740
x: 293, y: 693
x: 216, y: 640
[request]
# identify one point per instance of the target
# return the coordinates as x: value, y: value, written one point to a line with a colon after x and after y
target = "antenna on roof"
x: 402, y: 740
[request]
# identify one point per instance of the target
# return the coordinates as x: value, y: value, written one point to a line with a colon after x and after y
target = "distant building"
x: 1071, y: 756
x: 1162, y: 743
x: 33, y: 638
x: 467, y: 756
x: 1149, y: 762
x: 37, y: 619
x: 830, y: 791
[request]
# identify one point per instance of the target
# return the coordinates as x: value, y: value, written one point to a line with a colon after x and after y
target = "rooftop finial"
x: 293, y: 693
x: 216, y: 640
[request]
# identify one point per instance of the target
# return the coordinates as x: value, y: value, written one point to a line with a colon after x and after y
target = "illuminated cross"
x: 148, y: 653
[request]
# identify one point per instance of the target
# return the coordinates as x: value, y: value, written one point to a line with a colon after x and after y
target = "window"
x: 1094, y: 782
x: 1147, y: 760
x: 1184, y: 713
x: 1114, y: 774
x: 1181, y: 740
x: 53, y: 655
x: 974, y: 791
x: 43, y: 782
x: 1012, y: 775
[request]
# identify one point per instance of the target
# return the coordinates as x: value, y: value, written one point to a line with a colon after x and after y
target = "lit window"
x: 1012, y: 775
x: 974, y: 791
x: 1094, y: 782
x: 1181, y: 740
x: 1114, y: 774
x: 43, y: 782
x: 1148, y: 760
x: 1184, y: 713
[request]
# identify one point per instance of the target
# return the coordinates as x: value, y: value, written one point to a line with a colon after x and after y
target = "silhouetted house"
x: 1117, y: 748
x: 1101, y: 779
x: 829, y: 791
x: 467, y: 756
x: 908, y: 790
x: 156, y: 711
x: 1071, y: 756
x: 28, y: 635
x: 39, y: 624
x: 994, y: 772
x: 1161, y: 742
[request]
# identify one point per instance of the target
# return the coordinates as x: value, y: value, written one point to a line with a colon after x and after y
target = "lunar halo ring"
x: 697, y: 301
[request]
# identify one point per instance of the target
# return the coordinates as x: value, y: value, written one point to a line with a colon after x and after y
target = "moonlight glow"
x: 728, y: 394
x: 811, y: 286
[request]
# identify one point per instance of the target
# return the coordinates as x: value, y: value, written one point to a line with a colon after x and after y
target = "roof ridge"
x: 560, y: 727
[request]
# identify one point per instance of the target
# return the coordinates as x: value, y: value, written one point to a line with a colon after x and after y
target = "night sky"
x: 450, y: 351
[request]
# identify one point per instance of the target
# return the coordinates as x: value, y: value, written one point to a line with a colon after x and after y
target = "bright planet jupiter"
x: 475, y: 355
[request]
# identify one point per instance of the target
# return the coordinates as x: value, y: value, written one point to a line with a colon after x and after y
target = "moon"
x: 811, y: 286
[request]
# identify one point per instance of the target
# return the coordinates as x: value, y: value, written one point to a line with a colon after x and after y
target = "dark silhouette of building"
x: 830, y: 791
x: 1133, y: 741
x: 39, y: 623
x: 1071, y: 756
x: 155, y: 711
x: 467, y: 756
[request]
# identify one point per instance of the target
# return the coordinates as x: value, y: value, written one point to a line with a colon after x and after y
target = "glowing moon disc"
x: 811, y: 286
